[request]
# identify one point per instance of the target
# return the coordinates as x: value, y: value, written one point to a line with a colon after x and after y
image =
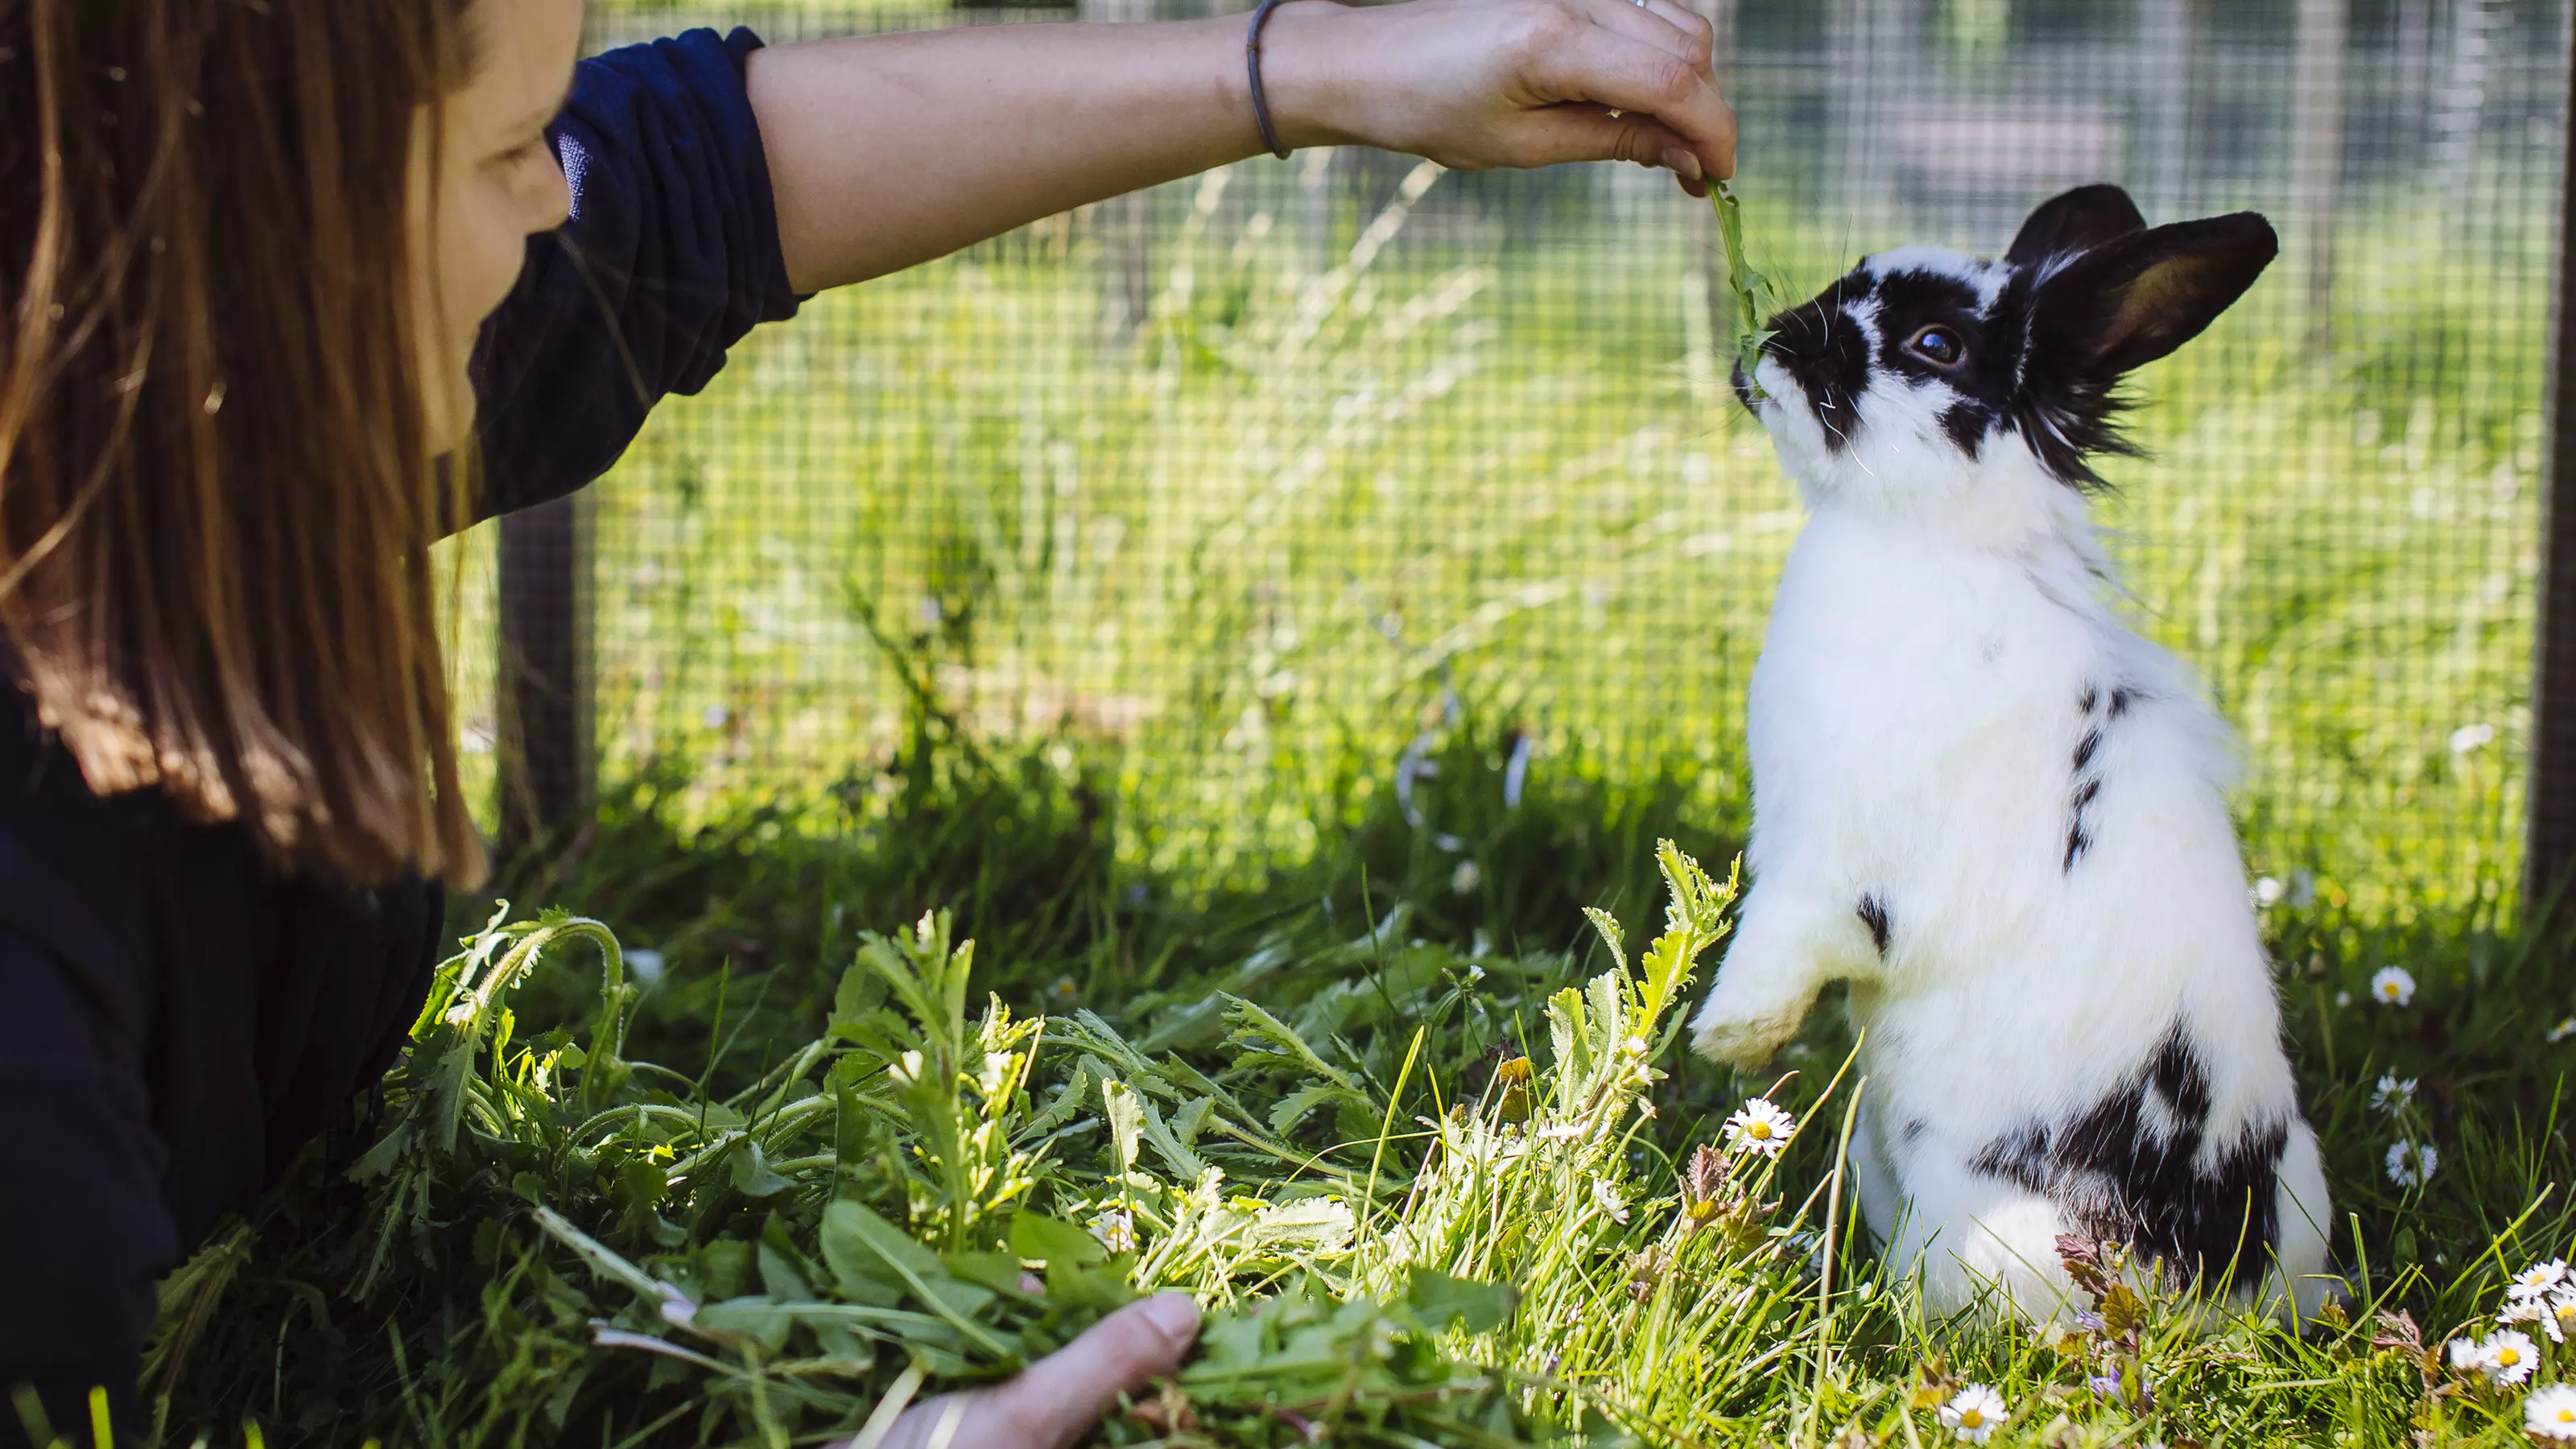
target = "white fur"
x: 1912, y: 722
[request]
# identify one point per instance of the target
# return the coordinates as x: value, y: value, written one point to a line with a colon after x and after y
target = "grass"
x: 1408, y: 1231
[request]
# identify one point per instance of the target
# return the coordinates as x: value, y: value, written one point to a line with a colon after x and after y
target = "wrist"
x: 1307, y: 89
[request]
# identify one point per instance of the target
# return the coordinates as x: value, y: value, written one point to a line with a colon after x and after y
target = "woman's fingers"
x: 1060, y: 1399
x: 1640, y: 81
x: 1478, y: 83
x: 1073, y: 1387
x: 1583, y: 132
x: 1662, y: 24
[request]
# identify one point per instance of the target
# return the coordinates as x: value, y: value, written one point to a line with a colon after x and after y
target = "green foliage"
x: 1426, y: 1185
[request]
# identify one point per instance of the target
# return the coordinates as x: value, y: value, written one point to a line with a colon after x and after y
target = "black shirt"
x: 176, y: 1018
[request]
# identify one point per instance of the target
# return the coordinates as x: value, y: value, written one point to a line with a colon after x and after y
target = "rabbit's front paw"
x: 1768, y: 980
x: 1744, y: 1032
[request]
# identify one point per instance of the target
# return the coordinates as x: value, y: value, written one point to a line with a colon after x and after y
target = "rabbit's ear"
x: 2074, y: 221
x: 2135, y: 298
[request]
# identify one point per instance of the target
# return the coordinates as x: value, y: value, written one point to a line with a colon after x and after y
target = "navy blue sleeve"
x: 670, y: 256
x: 80, y: 1206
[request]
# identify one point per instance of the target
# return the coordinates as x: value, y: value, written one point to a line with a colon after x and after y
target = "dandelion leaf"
x: 1611, y: 936
x: 1047, y: 1240
x: 1126, y: 1115
x: 1316, y: 1226
x: 752, y: 1174
x: 998, y: 1273
x: 861, y: 1247
x: 1437, y: 1301
x: 1065, y: 1104
x: 1100, y: 1287
x: 1176, y: 1154
x: 757, y: 1319
x: 1294, y: 1108
x: 1266, y: 1041
x: 858, y: 997
x: 1568, y: 1031
x: 780, y: 1277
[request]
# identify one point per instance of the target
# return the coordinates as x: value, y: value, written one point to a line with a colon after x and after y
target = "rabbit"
x: 1994, y: 810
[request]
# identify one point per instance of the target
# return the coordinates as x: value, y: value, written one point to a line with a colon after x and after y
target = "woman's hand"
x: 1476, y: 84
x: 1060, y: 1398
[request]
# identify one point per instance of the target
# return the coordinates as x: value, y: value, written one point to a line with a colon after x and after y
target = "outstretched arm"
x: 886, y: 151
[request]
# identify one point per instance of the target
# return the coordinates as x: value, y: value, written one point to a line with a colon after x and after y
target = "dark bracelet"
x: 1252, y: 65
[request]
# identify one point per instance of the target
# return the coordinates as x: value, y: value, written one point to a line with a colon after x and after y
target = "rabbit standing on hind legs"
x: 1995, y: 811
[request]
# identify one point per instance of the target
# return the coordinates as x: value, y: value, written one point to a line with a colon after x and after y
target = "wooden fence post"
x: 2550, y: 801
x: 2317, y: 104
x: 546, y: 746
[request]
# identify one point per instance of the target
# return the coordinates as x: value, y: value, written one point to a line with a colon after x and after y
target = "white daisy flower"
x: 1760, y: 1127
x: 2555, y: 1317
x: 1115, y: 1230
x: 2392, y: 986
x: 2411, y: 1164
x: 2392, y: 1093
x: 2551, y: 1412
x: 2508, y: 1357
x: 1606, y: 1196
x: 2563, y: 1030
x: 2468, y: 1356
x: 1974, y: 1414
x: 2537, y: 1281
x: 1464, y: 880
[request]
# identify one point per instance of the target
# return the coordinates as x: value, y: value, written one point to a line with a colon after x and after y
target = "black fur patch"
x: 1828, y: 354
x: 1966, y: 424
x: 1983, y: 376
x: 2085, y: 747
x: 1873, y: 914
x: 2087, y: 785
x: 2129, y: 1169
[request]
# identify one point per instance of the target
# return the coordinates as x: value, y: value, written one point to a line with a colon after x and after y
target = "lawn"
x: 1432, y: 1154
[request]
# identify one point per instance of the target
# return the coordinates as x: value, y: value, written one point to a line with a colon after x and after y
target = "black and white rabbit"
x: 1991, y: 807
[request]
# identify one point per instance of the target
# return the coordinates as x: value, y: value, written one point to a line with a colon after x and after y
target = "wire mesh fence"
x: 1234, y: 488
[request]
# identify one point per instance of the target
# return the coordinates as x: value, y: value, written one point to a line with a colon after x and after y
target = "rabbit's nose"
x: 1746, y: 392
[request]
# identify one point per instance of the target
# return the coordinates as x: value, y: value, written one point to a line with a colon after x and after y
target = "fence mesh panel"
x: 1234, y: 487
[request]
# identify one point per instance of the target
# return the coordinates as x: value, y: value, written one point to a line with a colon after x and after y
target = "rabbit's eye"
x: 1937, y: 345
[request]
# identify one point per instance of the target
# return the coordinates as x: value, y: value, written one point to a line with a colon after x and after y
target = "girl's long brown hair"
x: 216, y: 492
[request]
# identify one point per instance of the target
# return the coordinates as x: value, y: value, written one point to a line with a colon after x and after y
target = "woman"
x: 277, y: 277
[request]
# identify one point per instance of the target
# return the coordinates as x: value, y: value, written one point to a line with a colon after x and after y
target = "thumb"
x: 1063, y: 1395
